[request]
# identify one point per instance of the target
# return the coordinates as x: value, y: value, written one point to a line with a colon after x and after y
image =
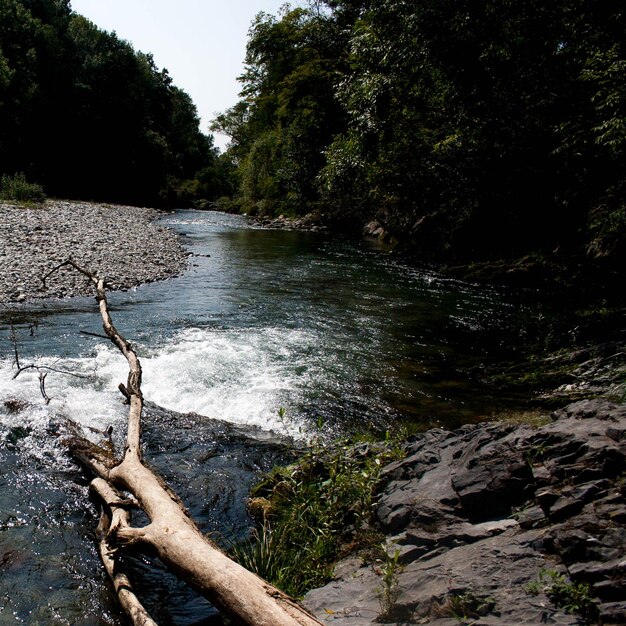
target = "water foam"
x: 76, y: 393
x: 243, y: 376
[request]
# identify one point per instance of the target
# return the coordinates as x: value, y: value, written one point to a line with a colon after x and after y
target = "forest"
x: 86, y: 116
x: 472, y: 131
x: 414, y: 412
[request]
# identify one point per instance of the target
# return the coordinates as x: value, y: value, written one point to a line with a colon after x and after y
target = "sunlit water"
x: 333, y: 332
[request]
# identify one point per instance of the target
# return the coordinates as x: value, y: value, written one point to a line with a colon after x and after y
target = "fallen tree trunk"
x: 171, y: 533
x: 114, y: 515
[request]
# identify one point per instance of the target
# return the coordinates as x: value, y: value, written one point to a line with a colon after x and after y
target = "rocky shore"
x: 125, y: 244
x: 494, y: 524
x: 490, y: 524
x: 309, y: 222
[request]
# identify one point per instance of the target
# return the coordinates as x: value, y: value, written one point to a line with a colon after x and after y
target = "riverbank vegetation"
x: 486, y: 137
x: 17, y: 189
x: 315, y: 511
x: 472, y: 131
x: 88, y: 117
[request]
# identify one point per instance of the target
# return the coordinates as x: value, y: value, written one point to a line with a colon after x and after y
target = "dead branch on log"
x: 41, y: 369
x: 114, y: 514
x: 178, y: 542
x: 98, y: 335
x: 42, y: 387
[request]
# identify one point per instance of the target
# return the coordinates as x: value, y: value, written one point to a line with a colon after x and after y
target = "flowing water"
x: 338, y: 334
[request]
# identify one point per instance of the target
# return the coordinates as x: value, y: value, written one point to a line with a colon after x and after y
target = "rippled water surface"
x: 334, y: 332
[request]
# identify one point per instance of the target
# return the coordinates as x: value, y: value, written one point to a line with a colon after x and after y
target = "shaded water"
x: 330, y: 330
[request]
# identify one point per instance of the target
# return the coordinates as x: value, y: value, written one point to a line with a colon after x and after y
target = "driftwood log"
x: 242, y: 595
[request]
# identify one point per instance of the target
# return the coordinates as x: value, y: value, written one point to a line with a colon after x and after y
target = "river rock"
x: 375, y: 230
x: 124, y: 244
x: 475, y: 515
x: 310, y: 222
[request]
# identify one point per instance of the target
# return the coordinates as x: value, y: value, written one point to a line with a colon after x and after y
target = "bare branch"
x: 42, y: 387
x: 86, y: 332
x: 70, y: 263
x: 39, y: 368
x: 15, y: 349
x: 124, y: 392
x: 114, y: 515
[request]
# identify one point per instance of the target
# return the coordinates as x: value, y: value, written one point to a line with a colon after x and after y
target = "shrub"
x: 570, y: 596
x: 230, y: 205
x: 16, y: 188
x: 311, y: 511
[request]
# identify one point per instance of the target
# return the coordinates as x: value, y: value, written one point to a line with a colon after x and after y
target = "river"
x: 277, y: 334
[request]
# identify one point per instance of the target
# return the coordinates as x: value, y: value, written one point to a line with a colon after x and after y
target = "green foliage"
x: 533, y: 418
x: 388, y: 591
x: 228, y: 204
x: 88, y: 116
x: 182, y: 194
x: 605, y: 70
x: 469, y: 606
x: 17, y: 188
x: 474, y: 131
x: 264, y: 554
x: 571, y: 597
x: 310, y: 511
x: 288, y: 113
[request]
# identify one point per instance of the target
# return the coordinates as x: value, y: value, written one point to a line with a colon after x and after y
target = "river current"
x: 274, y: 334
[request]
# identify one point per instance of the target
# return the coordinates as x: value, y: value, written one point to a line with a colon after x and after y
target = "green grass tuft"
x: 17, y: 189
x: 311, y: 512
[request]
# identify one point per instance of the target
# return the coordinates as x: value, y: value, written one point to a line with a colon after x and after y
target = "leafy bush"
x: 310, y: 511
x: 16, y: 188
x: 230, y: 205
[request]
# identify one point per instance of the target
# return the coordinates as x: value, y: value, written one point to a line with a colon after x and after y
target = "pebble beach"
x: 124, y: 244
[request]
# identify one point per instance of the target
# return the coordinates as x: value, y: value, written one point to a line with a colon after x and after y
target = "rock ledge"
x: 475, y: 515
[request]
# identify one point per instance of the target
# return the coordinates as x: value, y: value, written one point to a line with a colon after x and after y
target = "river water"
x: 338, y: 334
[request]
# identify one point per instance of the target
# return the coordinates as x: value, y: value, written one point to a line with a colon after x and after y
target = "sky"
x: 202, y: 43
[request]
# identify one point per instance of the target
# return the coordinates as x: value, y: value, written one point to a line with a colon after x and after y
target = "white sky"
x: 202, y: 43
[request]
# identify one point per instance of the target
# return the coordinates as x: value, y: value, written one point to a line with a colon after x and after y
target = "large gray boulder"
x: 478, y: 516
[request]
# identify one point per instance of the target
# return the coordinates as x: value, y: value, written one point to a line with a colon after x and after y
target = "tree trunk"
x: 171, y: 533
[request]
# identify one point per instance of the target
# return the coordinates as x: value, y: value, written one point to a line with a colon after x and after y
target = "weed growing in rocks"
x: 573, y: 598
x: 468, y: 606
x: 16, y: 188
x: 388, y: 591
x: 535, y: 454
x: 311, y: 510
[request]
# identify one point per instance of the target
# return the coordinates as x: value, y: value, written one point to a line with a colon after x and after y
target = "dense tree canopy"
x: 472, y: 129
x: 288, y: 112
x: 87, y: 116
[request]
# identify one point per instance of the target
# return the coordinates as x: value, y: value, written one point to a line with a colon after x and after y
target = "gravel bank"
x: 125, y: 244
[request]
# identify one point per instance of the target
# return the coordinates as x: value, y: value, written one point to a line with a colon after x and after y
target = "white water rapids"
x: 329, y: 330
